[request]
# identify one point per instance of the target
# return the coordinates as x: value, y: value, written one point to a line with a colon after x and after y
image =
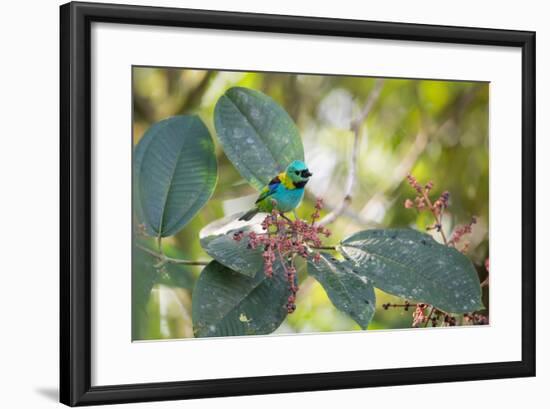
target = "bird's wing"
x: 269, y: 189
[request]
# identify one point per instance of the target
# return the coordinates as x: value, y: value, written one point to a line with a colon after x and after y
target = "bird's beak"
x: 308, y: 174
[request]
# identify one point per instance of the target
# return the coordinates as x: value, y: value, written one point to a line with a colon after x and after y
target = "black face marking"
x: 300, y: 185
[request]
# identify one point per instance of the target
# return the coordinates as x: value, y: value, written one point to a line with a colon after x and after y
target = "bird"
x: 284, y: 192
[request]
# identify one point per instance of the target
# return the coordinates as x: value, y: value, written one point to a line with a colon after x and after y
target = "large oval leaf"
x: 349, y: 292
x: 175, y: 173
x: 414, y: 266
x: 218, y: 242
x: 228, y: 303
x: 257, y: 135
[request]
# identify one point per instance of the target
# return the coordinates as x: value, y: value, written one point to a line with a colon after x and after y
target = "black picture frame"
x: 76, y: 199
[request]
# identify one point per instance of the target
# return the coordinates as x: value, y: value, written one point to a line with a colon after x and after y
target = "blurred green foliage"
x: 436, y: 130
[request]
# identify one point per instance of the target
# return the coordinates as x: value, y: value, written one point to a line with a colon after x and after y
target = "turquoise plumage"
x: 284, y: 192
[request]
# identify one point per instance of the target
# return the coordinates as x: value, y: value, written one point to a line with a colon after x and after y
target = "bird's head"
x: 298, y: 173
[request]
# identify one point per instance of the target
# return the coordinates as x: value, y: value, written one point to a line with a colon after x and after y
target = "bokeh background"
x: 436, y: 130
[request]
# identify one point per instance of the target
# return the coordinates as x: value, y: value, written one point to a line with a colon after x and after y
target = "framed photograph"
x: 261, y: 203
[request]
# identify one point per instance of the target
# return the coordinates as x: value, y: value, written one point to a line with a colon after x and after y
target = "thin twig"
x: 284, y: 217
x: 390, y: 305
x: 389, y: 186
x: 397, y: 175
x: 159, y: 244
x: 186, y: 262
x: 194, y: 98
x: 323, y: 247
x: 165, y: 259
x: 438, y: 217
x: 350, y: 213
x: 485, y: 283
x: 352, y: 175
x: 148, y: 250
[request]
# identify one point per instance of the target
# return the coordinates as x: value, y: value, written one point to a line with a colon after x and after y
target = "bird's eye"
x: 297, y: 172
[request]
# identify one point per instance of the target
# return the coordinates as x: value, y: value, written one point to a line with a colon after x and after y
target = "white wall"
x: 29, y: 201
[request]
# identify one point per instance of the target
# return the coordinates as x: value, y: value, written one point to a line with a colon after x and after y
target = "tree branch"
x: 165, y: 259
x: 389, y: 187
x: 323, y: 247
x: 352, y: 175
x: 485, y: 283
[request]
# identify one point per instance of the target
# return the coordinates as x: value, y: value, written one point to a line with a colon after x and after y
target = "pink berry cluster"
x: 284, y: 239
x: 461, y: 231
x: 425, y: 314
x: 476, y: 319
x: 419, y: 315
x: 422, y: 200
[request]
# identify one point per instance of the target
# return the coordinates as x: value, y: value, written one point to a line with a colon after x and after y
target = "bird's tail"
x: 250, y: 214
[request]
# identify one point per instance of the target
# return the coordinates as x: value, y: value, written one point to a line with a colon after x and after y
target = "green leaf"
x: 257, y: 135
x: 412, y: 265
x: 175, y: 172
x: 218, y: 242
x: 228, y: 303
x: 349, y: 292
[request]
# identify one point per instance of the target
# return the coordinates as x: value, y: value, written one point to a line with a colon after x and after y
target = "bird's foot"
x: 286, y: 218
